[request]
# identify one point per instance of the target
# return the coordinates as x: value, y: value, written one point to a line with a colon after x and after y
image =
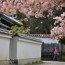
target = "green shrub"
x: 33, y: 63
x: 15, y: 30
x: 28, y: 64
x: 63, y: 57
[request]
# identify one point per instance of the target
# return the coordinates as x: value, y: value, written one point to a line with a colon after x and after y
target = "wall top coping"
x: 29, y: 38
x: 5, y: 33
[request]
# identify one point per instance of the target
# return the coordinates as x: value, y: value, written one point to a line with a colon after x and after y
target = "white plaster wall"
x: 13, y: 48
x: 4, y: 47
x: 28, y: 49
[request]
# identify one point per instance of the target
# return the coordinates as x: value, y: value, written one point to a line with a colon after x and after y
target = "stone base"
x: 4, y: 62
x: 24, y: 61
x: 19, y: 61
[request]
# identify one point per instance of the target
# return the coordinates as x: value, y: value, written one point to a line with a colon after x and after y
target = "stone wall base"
x: 4, y: 62
x: 19, y: 61
x: 24, y: 61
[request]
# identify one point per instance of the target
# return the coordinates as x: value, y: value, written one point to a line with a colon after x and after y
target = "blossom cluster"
x: 28, y: 7
x: 59, y: 30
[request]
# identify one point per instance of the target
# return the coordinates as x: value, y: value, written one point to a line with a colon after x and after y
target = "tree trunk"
x: 61, y: 50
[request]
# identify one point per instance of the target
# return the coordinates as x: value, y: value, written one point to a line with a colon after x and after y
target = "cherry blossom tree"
x: 35, y: 8
x: 29, y: 7
x: 59, y: 30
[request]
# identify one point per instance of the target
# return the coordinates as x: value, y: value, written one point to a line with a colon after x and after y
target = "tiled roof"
x: 39, y: 35
x: 45, y: 35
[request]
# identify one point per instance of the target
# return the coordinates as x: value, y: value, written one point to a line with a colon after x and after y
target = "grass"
x: 33, y: 63
x: 63, y: 57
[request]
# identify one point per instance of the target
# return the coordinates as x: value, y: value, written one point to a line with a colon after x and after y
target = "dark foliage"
x: 62, y: 40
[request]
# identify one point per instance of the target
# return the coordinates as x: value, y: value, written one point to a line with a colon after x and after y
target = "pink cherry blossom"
x: 62, y: 15
x: 58, y: 18
x: 59, y: 31
x: 30, y: 6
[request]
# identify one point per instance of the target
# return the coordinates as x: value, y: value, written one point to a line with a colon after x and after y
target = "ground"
x: 52, y: 63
